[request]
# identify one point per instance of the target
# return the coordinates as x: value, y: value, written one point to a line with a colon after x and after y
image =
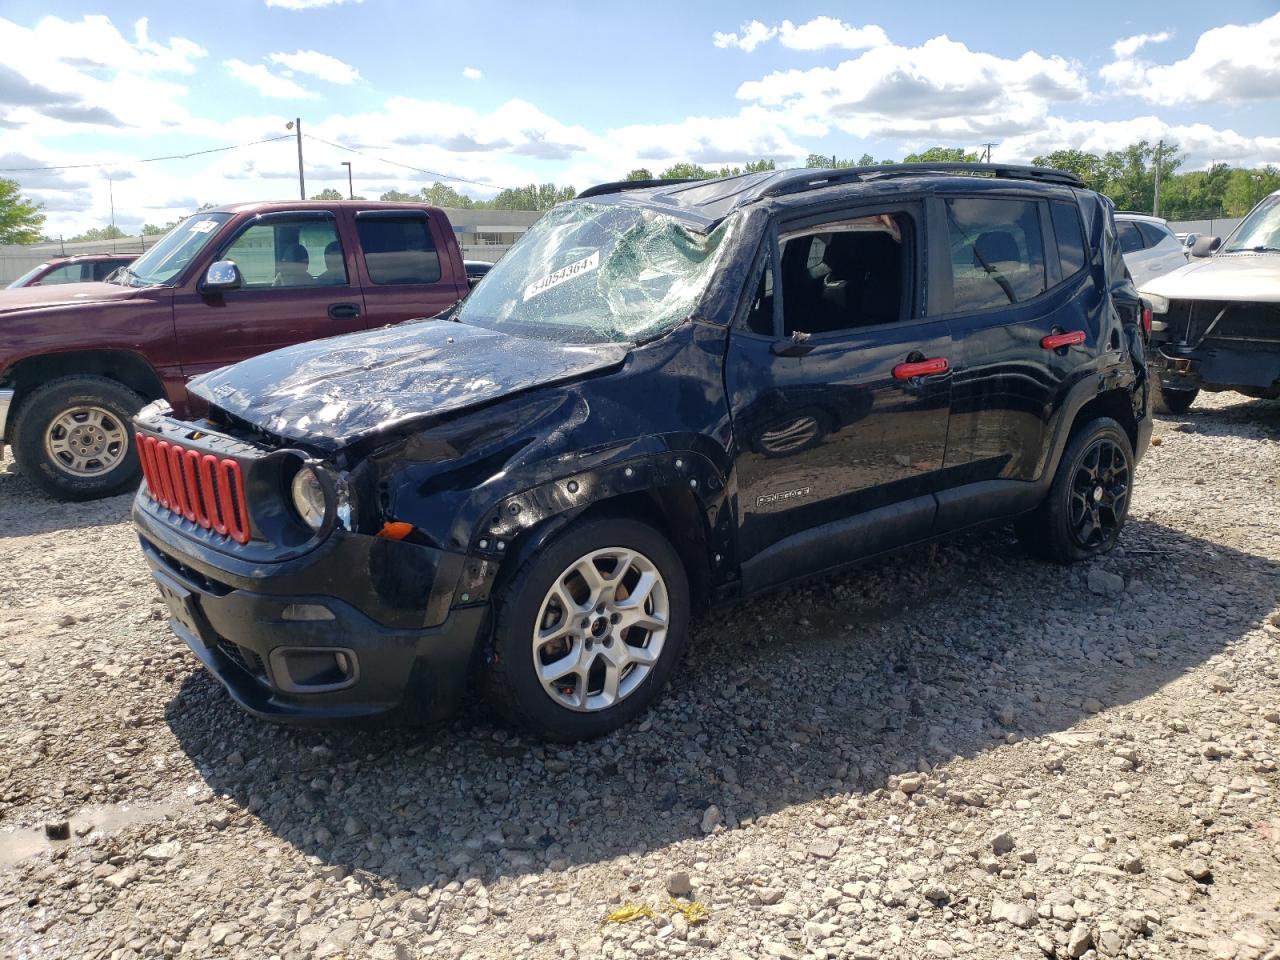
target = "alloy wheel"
x: 86, y: 441
x: 1099, y: 493
x: 600, y: 629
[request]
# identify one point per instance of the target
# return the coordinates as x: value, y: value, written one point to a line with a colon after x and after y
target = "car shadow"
x: 26, y: 510
x: 1227, y: 420
x: 822, y: 691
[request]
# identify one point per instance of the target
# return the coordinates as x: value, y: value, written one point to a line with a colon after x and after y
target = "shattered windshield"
x: 595, y: 273
x: 1259, y: 231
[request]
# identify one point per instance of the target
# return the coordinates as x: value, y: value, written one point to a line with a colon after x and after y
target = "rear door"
x: 839, y: 390
x: 404, y: 265
x: 299, y: 284
x: 1025, y: 312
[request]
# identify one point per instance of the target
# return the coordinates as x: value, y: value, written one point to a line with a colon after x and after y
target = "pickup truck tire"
x: 1176, y: 402
x: 555, y: 611
x: 1088, y: 501
x: 74, y: 437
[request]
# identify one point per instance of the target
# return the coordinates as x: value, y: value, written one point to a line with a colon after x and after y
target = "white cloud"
x: 750, y: 36
x: 267, y: 83
x: 319, y: 65
x: 940, y: 88
x: 1232, y: 63
x: 821, y: 33
x: 308, y: 4
x: 472, y: 73
x: 1131, y: 45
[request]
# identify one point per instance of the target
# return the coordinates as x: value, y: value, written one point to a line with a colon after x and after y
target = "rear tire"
x: 1167, y: 401
x: 1088, y: 501
x: 73, y: 437
x: 574, y: 661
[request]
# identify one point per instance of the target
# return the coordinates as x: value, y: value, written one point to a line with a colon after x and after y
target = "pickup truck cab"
x: 89, y: 268
x: 77, y: 361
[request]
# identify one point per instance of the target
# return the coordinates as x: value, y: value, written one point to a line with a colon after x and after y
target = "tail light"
x: 198, y: 487
x: 1146, y: 319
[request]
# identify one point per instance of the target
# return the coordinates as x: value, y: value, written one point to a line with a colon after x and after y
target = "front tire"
x: 1167, y: 401
x: 1088, y: 501
x: 588, y: 630
x: 74, y: 439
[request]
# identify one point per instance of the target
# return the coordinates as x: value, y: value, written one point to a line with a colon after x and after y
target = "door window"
x: 398, y: 250
x: 1066, y: 228
x: 997, y: 252
x: 289, y: 253
x: 1130, y: 238
x: 67, y: 273
x: 845, y: 275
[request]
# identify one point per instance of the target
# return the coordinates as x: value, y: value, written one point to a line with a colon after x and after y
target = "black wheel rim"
x: 1099, y: 494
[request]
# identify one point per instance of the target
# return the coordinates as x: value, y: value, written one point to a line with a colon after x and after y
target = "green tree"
x: 443, y: 195
x: 1086, y: 166
x: 328, y: 193
x: 1246, y: 187
x: 20, y: 218
x: 686, y: 171
x: 640, y: 173
x: 151, y: 229
x: 98, y: 233
x: 399, y: 196
x: 1130, y: 177
x: 1199, y: 193
x: 942, y: 155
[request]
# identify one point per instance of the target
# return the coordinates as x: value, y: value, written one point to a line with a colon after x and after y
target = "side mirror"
x: 221, y: 276
x: 796, y: 345
x: 1204, y: 246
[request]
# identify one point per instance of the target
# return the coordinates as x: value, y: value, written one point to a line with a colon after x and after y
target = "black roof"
x: 710, y: 201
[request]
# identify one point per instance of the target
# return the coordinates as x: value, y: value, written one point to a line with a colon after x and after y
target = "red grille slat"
x: 201, y: 488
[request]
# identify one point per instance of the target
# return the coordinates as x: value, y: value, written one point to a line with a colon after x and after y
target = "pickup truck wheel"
x: 588, y: 630
x: 1176, y: 402
x: 73, y: 437
x: 1088, y: 501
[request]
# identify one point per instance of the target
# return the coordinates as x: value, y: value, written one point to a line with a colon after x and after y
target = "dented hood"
x: 329, y: 393
x: 1252, y: 277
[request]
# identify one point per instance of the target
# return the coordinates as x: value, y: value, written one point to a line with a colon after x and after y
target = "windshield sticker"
x: 203, y: 226
x: 575, y: 269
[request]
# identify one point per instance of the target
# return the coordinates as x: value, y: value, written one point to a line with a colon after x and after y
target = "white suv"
x: 1150, y: 249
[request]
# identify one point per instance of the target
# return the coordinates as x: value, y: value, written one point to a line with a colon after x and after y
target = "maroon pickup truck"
x: 78, y: 360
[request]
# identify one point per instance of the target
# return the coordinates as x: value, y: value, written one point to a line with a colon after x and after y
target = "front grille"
x: 1228, y: 320
x: 200, y: 487
x: 244, y: 658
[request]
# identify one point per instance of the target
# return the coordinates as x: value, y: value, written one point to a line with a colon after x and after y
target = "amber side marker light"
x: 395, y: 530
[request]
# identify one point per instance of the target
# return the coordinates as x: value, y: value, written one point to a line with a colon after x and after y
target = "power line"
x: 396, y: 163
x: 124, y: 163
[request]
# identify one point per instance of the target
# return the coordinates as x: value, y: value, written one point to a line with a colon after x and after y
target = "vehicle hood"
x: 329, y: 393
x: 63, y: 295
x: 1254, y: 277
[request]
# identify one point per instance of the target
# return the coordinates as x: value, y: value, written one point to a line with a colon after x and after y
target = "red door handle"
x: 921, y: 368
x: 1057, y: 340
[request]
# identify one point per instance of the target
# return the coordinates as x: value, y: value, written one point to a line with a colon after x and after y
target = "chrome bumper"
x: 6, y: 401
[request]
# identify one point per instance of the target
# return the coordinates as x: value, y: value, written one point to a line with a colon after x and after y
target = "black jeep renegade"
x: 666, y: 394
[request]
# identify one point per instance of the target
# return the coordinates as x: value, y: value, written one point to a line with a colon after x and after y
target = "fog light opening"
x: 314, y: 669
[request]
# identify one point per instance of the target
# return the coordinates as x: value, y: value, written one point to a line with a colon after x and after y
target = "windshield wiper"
x: 1261, y: 248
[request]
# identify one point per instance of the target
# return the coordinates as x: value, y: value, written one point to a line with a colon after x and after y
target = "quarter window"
x: 1152, y: 233
x: 1066, y: 227
x: 399, y: 250
x: 1130, y: 238
x: 997, y: 252
x: 845, y: 275
x: 288, y: 253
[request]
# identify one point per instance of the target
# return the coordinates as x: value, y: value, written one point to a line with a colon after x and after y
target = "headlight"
x: 308, y: 497
x: 1158, y: 303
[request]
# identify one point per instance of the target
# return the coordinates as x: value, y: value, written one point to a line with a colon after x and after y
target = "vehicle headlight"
x: 308, y: 497
x: 1158, y: 303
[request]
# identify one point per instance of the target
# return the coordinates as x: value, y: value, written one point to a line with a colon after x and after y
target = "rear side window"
x: 398, y: 250
x: 1152, y: 233
x: 997, y: 252
x: 1130, y: 238
x: 1066, y: 227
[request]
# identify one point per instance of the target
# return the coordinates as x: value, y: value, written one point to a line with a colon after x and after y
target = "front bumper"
x: 1251, y: 368
x: 244, y: 627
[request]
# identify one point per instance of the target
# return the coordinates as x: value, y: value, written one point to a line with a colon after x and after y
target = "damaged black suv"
x: 667, y: 394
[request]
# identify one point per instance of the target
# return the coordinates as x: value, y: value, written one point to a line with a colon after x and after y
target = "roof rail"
x: 825, y: 178
x: 618, y: 186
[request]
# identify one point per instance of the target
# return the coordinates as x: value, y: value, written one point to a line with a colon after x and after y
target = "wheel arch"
x: 126, y: 367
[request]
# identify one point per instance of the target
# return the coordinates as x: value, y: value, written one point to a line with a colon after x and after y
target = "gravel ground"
x: 955, y: 752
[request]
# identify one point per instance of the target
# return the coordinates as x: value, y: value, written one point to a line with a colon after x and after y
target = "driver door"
x: 299, y: 284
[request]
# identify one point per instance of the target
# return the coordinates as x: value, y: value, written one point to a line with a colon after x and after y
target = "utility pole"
x: 296, y: 126
x: 987, y: 156
x: 1155, y: 202
x: 111, y: 196
x: 351, y: 191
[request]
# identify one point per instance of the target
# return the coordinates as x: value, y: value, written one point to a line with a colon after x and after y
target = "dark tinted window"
x: 760, y: 313
x: 398, y: 250
x: 1130, y: 238
x: 1152, y: 233
x: 847, y: 274
x: 1066, y: 227
x: 997, y: 252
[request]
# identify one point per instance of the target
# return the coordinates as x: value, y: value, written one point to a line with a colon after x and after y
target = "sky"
x: 503, y: 94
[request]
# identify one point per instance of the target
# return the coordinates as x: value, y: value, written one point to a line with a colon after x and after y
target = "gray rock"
x: 1079, y: 941
x: 711, y: 818
x: 679, y: 884
x: 1105, y: 584
x: 1017, y: 914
